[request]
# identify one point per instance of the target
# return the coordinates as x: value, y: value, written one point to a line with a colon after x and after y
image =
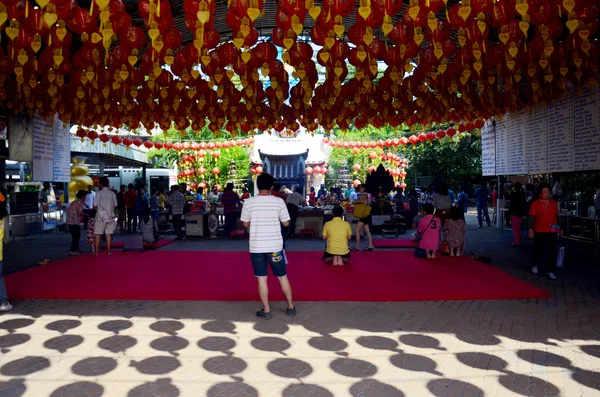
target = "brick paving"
x: 543, y: 347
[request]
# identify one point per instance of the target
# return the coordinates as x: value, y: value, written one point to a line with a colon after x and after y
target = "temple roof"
x: 303, y: 144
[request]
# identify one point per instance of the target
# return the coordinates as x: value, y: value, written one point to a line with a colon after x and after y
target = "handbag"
x: 362, y: 210
x: 420, y: 252
x: 445, y: 248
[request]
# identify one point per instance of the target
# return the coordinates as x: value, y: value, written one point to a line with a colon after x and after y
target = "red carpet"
x: 394, y: 243
x: 227, y: 276
x: 161, y: 243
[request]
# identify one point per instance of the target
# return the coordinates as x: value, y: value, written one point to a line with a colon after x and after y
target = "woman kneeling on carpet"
x: 337, y: 232
x: 429, y: 228
x: 149, y: 232
x: 455, y: 231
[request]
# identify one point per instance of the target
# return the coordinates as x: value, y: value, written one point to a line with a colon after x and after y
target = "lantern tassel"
x: 92, y: 8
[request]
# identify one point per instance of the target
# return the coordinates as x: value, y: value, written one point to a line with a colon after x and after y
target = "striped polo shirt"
x: 265, y: 214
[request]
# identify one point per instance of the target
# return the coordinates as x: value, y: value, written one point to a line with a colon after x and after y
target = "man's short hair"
x: 46, y: 185
x: 123, y: 186
x: 104, y: 181
x: 200, y: 190
x: 276, y: 186
x: 130, y: 186
x: 175, y: 187
x: 299, y: 190
x: 81, y: 193
x: 338, y: 211
x: 229, y: 186
x: 264, y: 182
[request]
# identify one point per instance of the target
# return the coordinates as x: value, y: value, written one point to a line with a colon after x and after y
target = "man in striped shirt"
x: 263, y: 215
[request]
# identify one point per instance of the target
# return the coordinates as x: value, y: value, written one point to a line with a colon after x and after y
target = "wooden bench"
x: 239, y: 233
x: 307, y: 232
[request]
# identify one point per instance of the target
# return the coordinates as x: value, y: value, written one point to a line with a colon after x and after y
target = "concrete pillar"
x: 101, y: 165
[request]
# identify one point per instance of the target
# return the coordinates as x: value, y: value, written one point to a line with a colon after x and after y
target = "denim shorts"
x: 276, y: 260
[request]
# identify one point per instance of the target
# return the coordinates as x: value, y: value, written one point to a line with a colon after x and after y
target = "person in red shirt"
x: 543, y: 221
x: 230, y: 201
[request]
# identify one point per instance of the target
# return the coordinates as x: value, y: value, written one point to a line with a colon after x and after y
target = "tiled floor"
x: 461, y: 348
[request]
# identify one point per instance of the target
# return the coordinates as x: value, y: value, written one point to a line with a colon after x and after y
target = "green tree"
x: 238, y: 154
x: 453, y: 161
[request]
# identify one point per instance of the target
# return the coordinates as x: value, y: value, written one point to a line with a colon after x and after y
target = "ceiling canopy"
x: 249, y: 65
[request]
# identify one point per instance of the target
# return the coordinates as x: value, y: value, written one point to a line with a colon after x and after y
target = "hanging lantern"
x: 216, y: 171
x: 81, y: 133
x: 309, y: 170
x: 356, y: 167
x: 104, y: 138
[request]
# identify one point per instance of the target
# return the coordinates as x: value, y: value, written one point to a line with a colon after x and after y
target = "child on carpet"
x: 430, y: 227
x: 90, y: 237
x: 337, y: 232
x: 455, y: 231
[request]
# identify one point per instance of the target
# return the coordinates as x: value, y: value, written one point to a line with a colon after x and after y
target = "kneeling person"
x: 337, y: 232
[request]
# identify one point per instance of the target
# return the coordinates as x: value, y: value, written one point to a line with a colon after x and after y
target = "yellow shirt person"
x: 337, y: 232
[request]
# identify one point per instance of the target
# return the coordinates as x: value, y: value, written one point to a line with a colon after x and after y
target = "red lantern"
x: 309, y: 170
x: 93, y: 135
x: 216, y: 154
x: 372, y: 168
x: 430, y: 136
x: 259, y: 169
x: 168, y: 145
x: 451, y: 132
x: 253, y: 171
x: 216, y: 171
x: 104, y: 138
x: 317, y: 170
x: 356, y: 183
x: 81, y: 133
x: 116, y: 140
x: 201, y: 170
x: 356, y: 167
x: 148, y: 144
x: 127, y: 142
x: 177, y: 146
x: 158, y: 145
x: 373, y: 155
x: 403, y: 185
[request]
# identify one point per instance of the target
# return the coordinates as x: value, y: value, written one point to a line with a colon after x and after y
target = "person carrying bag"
x: 430, y: 241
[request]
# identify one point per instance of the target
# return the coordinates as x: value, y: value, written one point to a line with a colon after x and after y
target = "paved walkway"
x: 546, y: 347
